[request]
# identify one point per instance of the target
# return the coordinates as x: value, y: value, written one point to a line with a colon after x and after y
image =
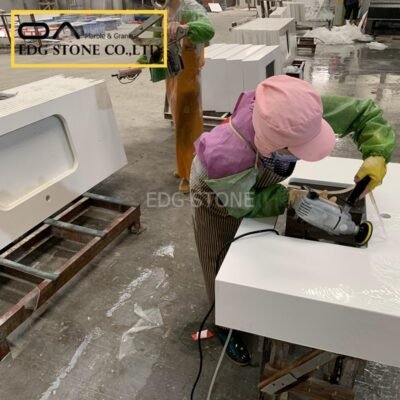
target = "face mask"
x: 281, y: 164
x: 283, y: 157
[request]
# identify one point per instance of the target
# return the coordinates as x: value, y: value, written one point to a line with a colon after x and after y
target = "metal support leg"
x: 4, y: 348
x: 314, y: 376
x: 5, y: 24
x: 294, y: 372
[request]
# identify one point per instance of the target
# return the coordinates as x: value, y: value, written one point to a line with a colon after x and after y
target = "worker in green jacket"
x: 238, y: 165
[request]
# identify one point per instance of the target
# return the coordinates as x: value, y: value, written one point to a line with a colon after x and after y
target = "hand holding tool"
x: 332, y: 218
x: 375, y: 168
x: 129, y: 74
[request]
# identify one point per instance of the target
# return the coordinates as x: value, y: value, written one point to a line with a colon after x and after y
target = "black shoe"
x: 236, y: 349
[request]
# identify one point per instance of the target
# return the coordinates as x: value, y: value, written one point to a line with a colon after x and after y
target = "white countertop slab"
x: 326, y: 296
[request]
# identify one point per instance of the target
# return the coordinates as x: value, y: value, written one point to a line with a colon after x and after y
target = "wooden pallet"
x: 63, y: 226
x: 210, y: 118
x: 300, y: 69
x: 306, y: 44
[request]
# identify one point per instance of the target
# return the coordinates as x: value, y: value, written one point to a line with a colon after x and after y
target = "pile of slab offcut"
x: 231, y: 69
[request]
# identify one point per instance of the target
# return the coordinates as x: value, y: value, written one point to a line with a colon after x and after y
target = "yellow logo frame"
x: 14, y: 13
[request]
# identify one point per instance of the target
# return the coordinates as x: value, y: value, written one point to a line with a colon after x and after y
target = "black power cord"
x: 217, y: 266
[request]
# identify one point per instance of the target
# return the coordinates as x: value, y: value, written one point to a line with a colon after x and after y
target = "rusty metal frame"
x: 147, y: 26
x: 93, y: 244
x: 4, y: 18
x: 295, y: 373
x: 314, y: 375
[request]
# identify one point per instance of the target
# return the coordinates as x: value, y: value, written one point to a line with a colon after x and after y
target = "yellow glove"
x: 325, y: 195
x: 375, y: 167
x: 294, y: 195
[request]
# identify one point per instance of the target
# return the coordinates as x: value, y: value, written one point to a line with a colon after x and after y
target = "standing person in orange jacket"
x: 184, y: 90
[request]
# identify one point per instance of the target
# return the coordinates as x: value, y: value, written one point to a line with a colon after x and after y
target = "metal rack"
x: 86, y: 240
x: 6, y: 23
x: 5, y: 19
x: 383, y: 15
x: 315, y: 374
x: 48, y: 4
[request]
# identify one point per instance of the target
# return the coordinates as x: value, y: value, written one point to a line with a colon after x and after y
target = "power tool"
x: 174, y: 50
x: 174, y: 62
x: 127, y: 75
x: 333, y: 218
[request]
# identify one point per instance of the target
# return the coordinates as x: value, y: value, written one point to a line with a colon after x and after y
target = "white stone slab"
x: 225, y: 76
x: 210, y: 50
x: 235, y: 75
x: 296, y: 10
x: 214, y: 77
x: 261, y: 65
x: 335, y: 298
x: 281, y: 12
x: 58, y: 139
x: 227, y: 73
x: 270, y: 31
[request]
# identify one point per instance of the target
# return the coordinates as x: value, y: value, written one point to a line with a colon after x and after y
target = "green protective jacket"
x: 362, y: 119
x: 192, y: 13
x: 200, y: 31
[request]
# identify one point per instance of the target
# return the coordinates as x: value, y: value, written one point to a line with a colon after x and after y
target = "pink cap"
x: 288, y: 113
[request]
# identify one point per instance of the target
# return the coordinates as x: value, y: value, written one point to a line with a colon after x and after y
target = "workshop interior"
x: 199, y: 199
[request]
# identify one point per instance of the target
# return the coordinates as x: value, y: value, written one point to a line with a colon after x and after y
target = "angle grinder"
x: 333, y: 218
x: 127, y: 75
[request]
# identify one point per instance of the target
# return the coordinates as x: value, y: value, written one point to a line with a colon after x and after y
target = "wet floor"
x: 355, y: 70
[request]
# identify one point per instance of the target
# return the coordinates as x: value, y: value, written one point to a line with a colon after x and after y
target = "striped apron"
x: 213, y: 226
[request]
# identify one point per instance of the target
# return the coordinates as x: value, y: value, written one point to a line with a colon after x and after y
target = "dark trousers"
x: 351, y: 9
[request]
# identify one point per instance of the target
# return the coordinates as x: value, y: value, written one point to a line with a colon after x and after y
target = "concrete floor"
x: 74, y: 348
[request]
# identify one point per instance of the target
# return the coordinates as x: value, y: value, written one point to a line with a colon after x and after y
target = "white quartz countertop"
x: 335, y: 298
